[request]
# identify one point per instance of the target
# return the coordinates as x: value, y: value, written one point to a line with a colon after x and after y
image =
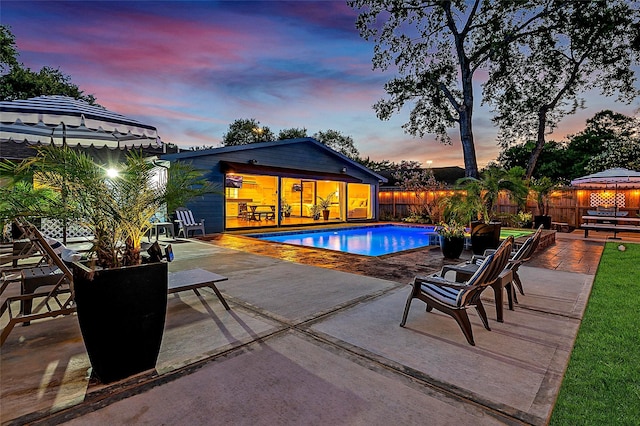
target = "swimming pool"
x: 375, y: 240
x: 364, y: 240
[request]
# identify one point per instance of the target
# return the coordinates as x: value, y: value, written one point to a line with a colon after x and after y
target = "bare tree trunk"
x: 465, y: 112
x: 535, y: 154
x: 468, y: 148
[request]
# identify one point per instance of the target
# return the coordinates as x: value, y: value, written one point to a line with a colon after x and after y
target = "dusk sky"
x: 192, y: 68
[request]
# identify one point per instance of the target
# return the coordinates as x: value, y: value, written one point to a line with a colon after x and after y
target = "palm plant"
x: 117, y: 209
x: 325, y: 202
x: 543, y: 188
x: 482, y: 194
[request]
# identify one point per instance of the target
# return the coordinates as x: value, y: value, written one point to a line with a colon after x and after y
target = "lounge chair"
x: 187, y: 223
x: 454, y: 298
x: 464, y: 270
x: 56, y: 300
x: 525, y: 257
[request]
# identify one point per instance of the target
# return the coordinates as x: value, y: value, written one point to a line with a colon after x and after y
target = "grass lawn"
x: 602, y: 382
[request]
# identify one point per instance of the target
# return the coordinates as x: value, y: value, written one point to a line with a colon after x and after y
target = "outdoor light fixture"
x: 253, y: 161
x: 344, y: 170
x: 112, y: 173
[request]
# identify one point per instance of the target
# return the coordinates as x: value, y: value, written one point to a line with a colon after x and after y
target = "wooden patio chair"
x: 56, y: 300
x: 504, y: 282
x: 187, y: 223
x: 525, y: 256
x: 454, y: 298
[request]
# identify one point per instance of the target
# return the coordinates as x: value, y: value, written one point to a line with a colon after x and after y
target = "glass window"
x: 359, y: 205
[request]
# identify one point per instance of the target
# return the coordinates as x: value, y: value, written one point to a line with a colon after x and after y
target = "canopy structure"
x: 616, y: 179
x: 62, y: 120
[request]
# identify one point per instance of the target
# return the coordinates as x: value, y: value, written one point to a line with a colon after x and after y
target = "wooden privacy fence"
x: 566, y: 205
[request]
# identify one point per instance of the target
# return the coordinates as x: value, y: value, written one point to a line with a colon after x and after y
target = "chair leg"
x: 462, y: 319
x: 414, y: 289
x: 510, y: 296
x: 497, y: 292
x: 482, y: 314
x: 406, y: 310
x: 518, y: 283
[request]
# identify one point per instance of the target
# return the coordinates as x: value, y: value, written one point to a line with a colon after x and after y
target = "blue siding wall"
x: 300, y: 156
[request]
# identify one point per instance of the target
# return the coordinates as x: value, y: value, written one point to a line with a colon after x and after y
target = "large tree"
x: 536, y: 82
x: 612, y: 140
x: 292, y: 133
x: 20, y: 82
x: 335, y: 140
x: 436, y: 48
x: 245, y: 131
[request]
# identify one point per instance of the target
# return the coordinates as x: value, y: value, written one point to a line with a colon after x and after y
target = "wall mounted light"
x: 344, y: 170
x: 253, y: 161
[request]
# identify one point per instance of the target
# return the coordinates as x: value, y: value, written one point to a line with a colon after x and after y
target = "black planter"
x: 545, y: 221
x: 121, y: 314
x: 485, y: 236
x: 451, y: 247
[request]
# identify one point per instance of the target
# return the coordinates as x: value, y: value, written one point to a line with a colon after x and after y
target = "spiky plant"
x: 116, y: 209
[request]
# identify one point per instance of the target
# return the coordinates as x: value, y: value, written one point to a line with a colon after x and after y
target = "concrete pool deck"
x: 305, y: 344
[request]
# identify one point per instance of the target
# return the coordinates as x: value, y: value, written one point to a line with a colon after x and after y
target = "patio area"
x: 314, y: 338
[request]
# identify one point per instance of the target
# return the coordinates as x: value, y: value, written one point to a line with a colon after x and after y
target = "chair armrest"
x: 440, y: 282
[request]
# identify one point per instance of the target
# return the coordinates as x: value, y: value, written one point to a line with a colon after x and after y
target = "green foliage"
x: 377, y: 166
x: 601, y: 383
x: 552, y: 162
x: 537, y: 81
x: 8, y: 51
x: 21, y: 199
x: 185, y: 183
x: 434, y: 50
x: 22, y: 83
x: 338, y: 142
x: 617, y: 137
x: 325, y: 202
x: 18, y: 82
x: 284, y: 206
x: 543, y: 188
x: 482, y: 194
x: 413, y: 178
x: 117, y: 210
x: 451, y: 229
x: 293, y: 133
x: 609, y: 140
x: 246, y: 131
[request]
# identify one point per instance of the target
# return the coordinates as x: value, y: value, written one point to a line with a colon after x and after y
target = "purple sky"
x: 192, y: 68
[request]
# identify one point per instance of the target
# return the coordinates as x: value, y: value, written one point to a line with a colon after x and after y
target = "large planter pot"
x: 485, y: 236
x: 451, y: 247
x: 545, y: 221
x: 121, y: 313
x: 325, y: 214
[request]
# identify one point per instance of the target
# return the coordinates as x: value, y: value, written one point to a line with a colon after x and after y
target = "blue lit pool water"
x: 366, y: 240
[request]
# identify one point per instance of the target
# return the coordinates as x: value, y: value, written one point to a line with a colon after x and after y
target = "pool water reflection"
x: 367, y: 240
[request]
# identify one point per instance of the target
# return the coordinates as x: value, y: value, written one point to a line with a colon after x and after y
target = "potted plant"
x: 120, y: 301
x: 324, y: 205
x: 482, y: 196
x: 524, y: 219
x: 543, y: 188
x: 285, y: 208
x: 451, y: 239
x: 315, y: 211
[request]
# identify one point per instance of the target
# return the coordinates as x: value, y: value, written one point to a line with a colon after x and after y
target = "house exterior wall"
x: 298, y: 156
